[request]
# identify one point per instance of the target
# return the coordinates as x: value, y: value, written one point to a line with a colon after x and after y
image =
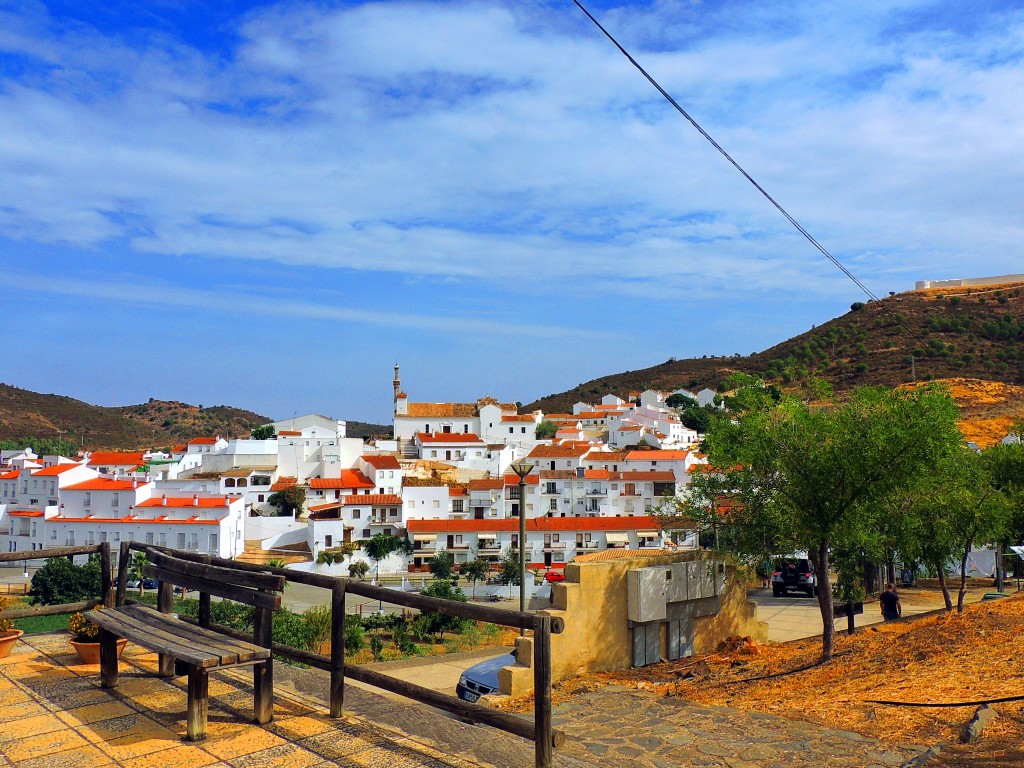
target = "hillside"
x: 157, y: 423
x: 957, y: 334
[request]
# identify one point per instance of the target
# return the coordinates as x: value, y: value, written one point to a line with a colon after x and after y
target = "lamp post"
x: 522, y: 469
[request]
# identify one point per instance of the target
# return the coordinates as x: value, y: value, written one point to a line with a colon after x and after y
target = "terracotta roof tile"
x: 178, y: 502
x: 350, y: 478
x: 106, y: 484
x: 372, y: 499
x: 56, y: 469
x: 639, y: 523
x: 448, y: 437
x: 116, y: 458
x: 382, y: 462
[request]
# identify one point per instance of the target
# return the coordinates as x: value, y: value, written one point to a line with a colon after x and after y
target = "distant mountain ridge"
x: 965, y: 334
x: 156, y: 423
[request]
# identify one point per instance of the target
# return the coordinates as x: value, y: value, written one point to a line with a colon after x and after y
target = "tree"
x: 546, y: 430
x: 971, y: 507
x: 432, y: 622
x: 442, y: 565
x: 60, y: 582
x: 380, y: 546
x: 264, y: 432
x: 136, y: 570
x: 679, y: 400
x: 814, y: 477
x: 476, y: 570
x: 358, y: 569
x: 508, y: 572
x: 288, y: 501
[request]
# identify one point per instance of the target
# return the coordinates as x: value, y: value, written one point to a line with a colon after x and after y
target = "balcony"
x: 586, y: 545
x: 596, y: 492
x: 550, y: 545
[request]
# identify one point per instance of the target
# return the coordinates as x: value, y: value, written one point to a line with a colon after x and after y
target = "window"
x: 551, y: 488
x: 193, y: 543
x: 162, y: 540
x: 356, y: 514
x: 511, y: 430
x: 393, y: 512
x: 115, y: 500
x: 90, y: 538
x: 103, y: 536
x: 437, y: 504
x: 558, y: 557
x: 214, y: 543
x: 88, y: 498
x: 328, y: 541
x: 181, y: 541
x: 149, y: 538
x: 524, y: 430
x: 53, y: 535
x: 367, y: 533
x: 553, y: 504
x: 457, y: 505
x: 515, y: 540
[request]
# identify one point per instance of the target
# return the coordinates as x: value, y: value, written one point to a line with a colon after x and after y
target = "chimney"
x: 195, y: 499
x: 135, y: 484
x: 227, y: 501
x: 163, y: 500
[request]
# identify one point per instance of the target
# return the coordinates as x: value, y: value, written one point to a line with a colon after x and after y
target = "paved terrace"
x: 53, y: 714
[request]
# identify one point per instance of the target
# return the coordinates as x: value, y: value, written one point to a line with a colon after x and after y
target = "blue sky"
x: 268, y: 204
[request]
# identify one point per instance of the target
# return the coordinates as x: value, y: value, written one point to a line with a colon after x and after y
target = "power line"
x: 799, y: 227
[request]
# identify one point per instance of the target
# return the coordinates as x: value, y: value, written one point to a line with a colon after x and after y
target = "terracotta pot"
x: 7, y: 641
x: 89, y: 653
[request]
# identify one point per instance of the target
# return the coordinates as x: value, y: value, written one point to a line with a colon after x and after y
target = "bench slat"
x: 166, y: 634
x: 230, y: 650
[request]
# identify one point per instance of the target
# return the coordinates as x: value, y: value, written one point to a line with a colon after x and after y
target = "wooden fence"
x: 69, y: 552
x: 545, y: 738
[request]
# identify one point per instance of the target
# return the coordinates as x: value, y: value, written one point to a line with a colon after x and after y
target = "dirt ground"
x: 942, y: 658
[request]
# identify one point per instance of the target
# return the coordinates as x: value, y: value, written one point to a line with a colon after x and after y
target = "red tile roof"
x: 350, y: 478
x: 203, y: 441
x: 289, y: 433
x: 382, y: 462
x: 657, y: 455
x: 519, y: 417
x: 639, y: 523
x: 566, y: 450
x: 283, y: 482
x: 106, y: 484
x: 188, y: 501
x: 26, y: 513
x: 12, y: 475
x: 373, y: 500
x: 56, y: 469
x: 489, y: 484
x: 441, y: 410
x: 162, y: 519
x: 448, y: 437
x: 116, y: 458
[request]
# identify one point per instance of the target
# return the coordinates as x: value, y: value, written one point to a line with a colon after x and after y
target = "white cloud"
x: 448, y: 139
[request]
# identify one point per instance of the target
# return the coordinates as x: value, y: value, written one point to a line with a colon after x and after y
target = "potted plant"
x: 8, y: 634
x: 85, y: 638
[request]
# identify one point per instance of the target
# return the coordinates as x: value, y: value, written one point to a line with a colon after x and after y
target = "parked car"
x: 482, y: 679
x: 146, y: 583
x: 552, y: 576
x: 794, y: 573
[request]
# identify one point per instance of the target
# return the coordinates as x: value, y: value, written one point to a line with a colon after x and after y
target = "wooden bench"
x: 185, y: 648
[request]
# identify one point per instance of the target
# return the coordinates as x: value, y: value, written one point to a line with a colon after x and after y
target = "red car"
x: 552, y: 576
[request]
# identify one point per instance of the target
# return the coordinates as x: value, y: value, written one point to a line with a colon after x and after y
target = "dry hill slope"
x: 923, y: 335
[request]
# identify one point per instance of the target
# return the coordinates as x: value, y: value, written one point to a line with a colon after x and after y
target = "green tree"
x: 678, y: 400
x: 380, y: 546
x: 136, y: 570
x: 442, y: 565
x: 358, y: 569
x: 474, y: 571
x: 288, y: 501
x: 546, y: 430
x: 60, y: 582
x: 508, y: 571
x: 432, y: 622
x: 264, y: 432
x: 814, y: 477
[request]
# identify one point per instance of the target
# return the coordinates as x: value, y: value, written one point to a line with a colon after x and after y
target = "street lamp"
x: 522, y: 468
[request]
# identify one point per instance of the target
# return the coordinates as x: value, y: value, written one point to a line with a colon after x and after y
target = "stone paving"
x: 53, y: 714
x: 633, y: 729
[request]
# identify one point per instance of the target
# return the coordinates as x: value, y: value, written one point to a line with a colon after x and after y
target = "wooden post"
x: 106, y: 579
x: 849, y: 617
x: 542, y: 692
x: 108, y: 659
x: 198, y: 698
x: 165, y: 604
x: 263, y: 673
x: 123, y: 561
x: 338, y: 648
x: 204, y: 603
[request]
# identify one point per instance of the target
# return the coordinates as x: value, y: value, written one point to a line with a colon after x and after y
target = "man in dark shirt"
x: 890, y: 601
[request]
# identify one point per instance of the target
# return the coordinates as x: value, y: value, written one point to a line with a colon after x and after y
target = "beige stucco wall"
x: 597, y: 636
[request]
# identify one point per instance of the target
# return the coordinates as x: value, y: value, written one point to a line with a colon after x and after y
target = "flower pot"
x: 89, y: 653
x: 7, y: 641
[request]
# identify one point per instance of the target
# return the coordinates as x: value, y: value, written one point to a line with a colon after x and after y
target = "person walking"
x: 892, y: 608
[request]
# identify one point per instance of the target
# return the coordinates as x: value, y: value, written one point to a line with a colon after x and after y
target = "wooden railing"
x: 540, y: 731
x: 69, y: 552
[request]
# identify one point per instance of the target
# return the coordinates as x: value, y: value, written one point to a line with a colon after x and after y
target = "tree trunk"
x: 940, y: 569
x: 828, y: 626
x: 963, y: 578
